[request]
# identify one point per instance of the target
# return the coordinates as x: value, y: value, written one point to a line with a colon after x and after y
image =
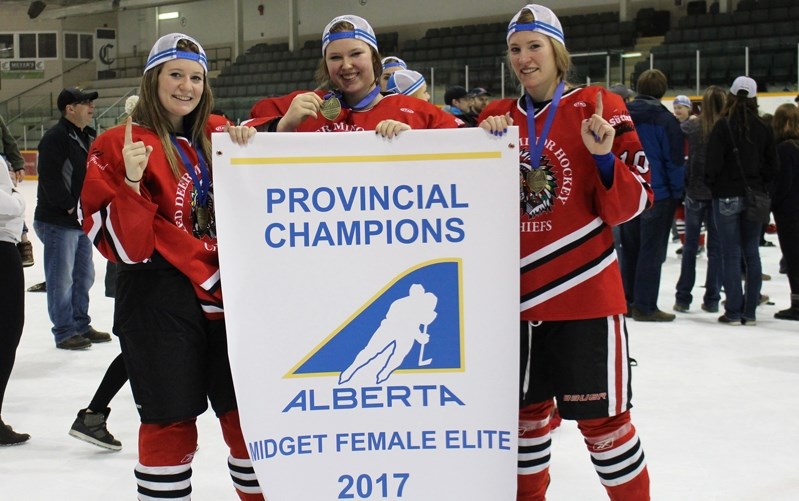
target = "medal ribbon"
x: 536, y: 147
x: 358, y: 107
x: 202, y: 187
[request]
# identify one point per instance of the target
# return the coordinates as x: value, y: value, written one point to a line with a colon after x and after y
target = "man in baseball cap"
x: 73, y: 95
x: 68, y: 266
x: 458, y: 102
x: 480, y: 98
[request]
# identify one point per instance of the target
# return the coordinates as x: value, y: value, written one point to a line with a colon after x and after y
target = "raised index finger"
x: 598, y: 108
x: 128, y: 131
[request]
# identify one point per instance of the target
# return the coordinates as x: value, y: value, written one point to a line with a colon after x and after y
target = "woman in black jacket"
x: 786, y: 199
x: 740, y: 127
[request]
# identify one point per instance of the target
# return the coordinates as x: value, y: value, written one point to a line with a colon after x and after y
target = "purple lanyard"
x: 201, y: 187
x: 358, y: 107
x: 536, y: 147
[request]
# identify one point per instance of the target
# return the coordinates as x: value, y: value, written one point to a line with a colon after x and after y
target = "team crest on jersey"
x: 414, y: 324
x: 536, y: 186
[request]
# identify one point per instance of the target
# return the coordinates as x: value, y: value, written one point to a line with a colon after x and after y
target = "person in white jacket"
x: 12, y: 290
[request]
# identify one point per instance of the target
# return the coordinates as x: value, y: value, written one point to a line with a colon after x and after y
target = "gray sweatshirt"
x: 12, y: 207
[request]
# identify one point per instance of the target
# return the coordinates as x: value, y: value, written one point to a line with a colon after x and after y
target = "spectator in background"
x: 390, y: 64
x: 739, y: 134
x: 699, y: 208
x: 480, y: 98
x: 683, y: 110
x: 458, y: 102
x: 409, y: 83
x: 622, y: 90
x: 12, y: 290
x: 645, y: 238
x: 785, y: 205
x: 16, y: 165
x: 68, y: 265
x: 90, y: 425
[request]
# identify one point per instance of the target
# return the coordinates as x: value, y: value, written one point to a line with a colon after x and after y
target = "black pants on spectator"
x: 12, y: 310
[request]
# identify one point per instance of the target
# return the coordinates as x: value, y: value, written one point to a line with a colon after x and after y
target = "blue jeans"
x: 739, y: 237
x: 697, y: 212
x: 644, y: 241
x: 69, y: 274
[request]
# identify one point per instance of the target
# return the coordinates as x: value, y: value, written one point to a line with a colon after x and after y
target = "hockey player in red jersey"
x: 582, y: 170
x: 147, y: 204
x: 351, y: 68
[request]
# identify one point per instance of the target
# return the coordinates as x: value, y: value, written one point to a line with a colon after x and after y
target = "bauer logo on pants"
x: 413, y: 324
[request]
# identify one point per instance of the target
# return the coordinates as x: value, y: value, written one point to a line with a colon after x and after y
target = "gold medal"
x: 202, y: 218
x: 330, y: 108
x: 537, y: 180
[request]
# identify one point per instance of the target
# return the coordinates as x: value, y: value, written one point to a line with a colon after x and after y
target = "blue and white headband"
x: 363, y: 31
x: 393, y: 62
x: 545, y: 22
x: 405, y: 82
x: 166, y: 49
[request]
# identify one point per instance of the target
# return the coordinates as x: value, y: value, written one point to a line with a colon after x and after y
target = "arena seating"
x: 768, y: 28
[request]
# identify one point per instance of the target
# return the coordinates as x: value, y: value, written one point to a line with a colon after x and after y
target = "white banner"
x: 371, y: 293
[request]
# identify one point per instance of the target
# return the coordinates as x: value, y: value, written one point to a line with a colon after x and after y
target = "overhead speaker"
x: 35, y: 9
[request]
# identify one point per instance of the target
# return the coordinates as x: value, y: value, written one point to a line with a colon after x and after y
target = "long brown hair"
x: 712, y: 104
x: 322, y: 76
x: 786, y: 122
x: 150, y: 113
x: 740, y: 109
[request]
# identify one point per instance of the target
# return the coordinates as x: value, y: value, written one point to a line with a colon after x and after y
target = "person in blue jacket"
x: 645, y: 239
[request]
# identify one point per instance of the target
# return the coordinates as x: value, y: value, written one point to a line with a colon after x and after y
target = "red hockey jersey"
x: 129, y: 228
x: 569, y: 269
x: 410, y: 110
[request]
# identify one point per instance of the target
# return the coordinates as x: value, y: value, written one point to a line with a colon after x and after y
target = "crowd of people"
x: 632, y: 162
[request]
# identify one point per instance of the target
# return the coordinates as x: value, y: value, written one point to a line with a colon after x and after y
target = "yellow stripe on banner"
x: 350, y: 159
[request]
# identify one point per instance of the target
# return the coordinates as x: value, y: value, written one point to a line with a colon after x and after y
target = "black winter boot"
x: 791, y: 313
x: 90, y: 427
x: 10, y: 437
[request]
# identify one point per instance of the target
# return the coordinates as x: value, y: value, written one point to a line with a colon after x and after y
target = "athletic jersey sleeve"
x: 630, y: 192
x: 118, y: 221
x: 271, y: 108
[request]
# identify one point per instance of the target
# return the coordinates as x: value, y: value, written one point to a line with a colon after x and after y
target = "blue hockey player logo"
x: 414, y: 324
x: 393, y: 340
